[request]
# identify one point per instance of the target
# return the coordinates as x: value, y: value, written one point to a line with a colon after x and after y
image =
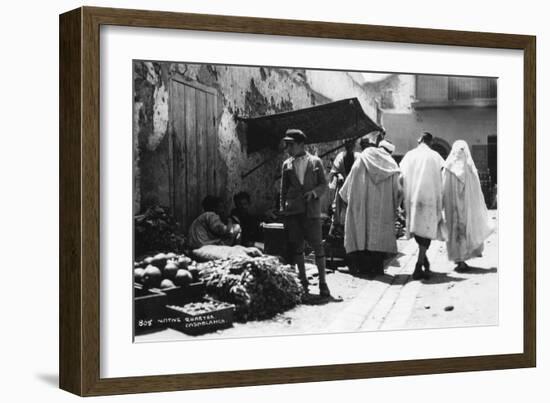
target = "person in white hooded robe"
x: 422, y: 188
x: 371, y: 192
x: 466, y: 213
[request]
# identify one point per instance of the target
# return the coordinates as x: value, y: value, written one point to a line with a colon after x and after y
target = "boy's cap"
x: 295, y: 135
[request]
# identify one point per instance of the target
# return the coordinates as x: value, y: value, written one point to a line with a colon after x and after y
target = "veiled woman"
x: 464, y: 206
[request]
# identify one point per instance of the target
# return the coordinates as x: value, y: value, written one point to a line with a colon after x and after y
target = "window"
x: 472, y: 88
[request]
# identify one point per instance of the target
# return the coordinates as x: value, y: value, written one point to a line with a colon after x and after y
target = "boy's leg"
x: 295, y: 236
x: 313, y: 235
x: 300, y: 262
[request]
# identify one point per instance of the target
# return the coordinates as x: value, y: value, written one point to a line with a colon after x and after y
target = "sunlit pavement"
x: 390, y: 302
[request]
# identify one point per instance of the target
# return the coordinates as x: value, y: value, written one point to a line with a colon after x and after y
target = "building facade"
x: 450, y: 108
x: 188, y: 140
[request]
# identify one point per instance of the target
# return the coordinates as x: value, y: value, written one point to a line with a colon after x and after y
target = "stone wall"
x: 396, y: 92
x: 242, y: 92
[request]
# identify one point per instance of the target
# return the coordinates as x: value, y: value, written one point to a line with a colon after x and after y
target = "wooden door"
x: 492, y: 157
x: 194, y: 148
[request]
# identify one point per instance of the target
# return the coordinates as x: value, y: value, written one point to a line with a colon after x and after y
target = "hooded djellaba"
x: 464, y: 205
x: 371, y: 192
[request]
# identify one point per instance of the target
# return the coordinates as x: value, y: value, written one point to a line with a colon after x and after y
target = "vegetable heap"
x: 259, y: 287
x: 165, y: 270
x: 155, y: 230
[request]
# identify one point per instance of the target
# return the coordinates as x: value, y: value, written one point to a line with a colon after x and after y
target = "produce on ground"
x: 167, y: 283
x: 183, y: 277
x: 156, y: 229
x: 138, y: 275
x: 259, y: 287
x: 217, y: 252
x: 152, y: 276
x: 164, y: 270
x: 201, y: 308
x: 170, y: 269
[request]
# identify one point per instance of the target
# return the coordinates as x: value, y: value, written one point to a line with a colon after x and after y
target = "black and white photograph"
x: 275, y: 201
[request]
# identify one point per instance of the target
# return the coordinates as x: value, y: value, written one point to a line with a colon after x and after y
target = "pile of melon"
x: 165, y: 270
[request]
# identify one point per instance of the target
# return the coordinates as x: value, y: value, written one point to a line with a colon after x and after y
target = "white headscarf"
x: 459, y: 160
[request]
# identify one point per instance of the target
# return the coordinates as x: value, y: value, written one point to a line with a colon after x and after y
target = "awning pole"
x: 325, y: 153
x: 338, y: 147
x: 244, y: 175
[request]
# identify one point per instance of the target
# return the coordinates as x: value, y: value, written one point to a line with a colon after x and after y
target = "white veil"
x: 460, y: 164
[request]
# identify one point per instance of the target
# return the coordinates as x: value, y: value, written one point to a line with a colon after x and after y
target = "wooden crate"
x: 201, y: 323
x: 275, y: 240
x: 180, y: 295
x: 149, y: 306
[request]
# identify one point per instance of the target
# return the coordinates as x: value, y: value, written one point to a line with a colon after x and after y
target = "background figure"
x: 465, y: 210
x: 303, y: 182
x: 341, y: 167
x: 422, y: 188
x: 387, y: 145
x: 372, y: 194
x: 209, y: 228
x: 371, y: 140
x: 249, y: 223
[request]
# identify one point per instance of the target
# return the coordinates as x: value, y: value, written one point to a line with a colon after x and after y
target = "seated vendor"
x: 209, y: 229
x: 249, y: 223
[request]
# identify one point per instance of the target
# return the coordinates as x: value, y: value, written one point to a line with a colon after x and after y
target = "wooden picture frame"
x: 79, y: 346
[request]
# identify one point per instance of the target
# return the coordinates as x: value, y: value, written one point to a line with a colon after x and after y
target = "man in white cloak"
x: 464, y: 205
x: 371, y: 192
x: 422, y: 186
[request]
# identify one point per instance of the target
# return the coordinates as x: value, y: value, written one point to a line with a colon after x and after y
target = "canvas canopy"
x: 324, y: 123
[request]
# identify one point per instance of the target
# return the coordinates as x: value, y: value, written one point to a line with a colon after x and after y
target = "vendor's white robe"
x: 423, y: 191
x: 371, y: 192
x: 464, y: 205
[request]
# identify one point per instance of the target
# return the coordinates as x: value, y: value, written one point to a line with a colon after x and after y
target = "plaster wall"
x: 241, y: 92
x: 470, y: 124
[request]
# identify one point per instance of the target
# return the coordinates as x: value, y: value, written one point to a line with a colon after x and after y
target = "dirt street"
x: 389, y: 302
x: 470, y: 298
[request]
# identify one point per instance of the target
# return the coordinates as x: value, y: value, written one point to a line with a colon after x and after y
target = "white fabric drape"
x: 422, y: 187
x: 371, y: 192
x: 465, y: 209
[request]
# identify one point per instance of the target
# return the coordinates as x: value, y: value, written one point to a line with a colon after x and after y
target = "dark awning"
x: 329, y: 122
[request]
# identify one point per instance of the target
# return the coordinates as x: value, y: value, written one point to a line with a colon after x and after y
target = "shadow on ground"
x: 50, y: 379
x: 315, y: 299
x: 441, y: 278
x: 477, y: 270
x: 393, y: 260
